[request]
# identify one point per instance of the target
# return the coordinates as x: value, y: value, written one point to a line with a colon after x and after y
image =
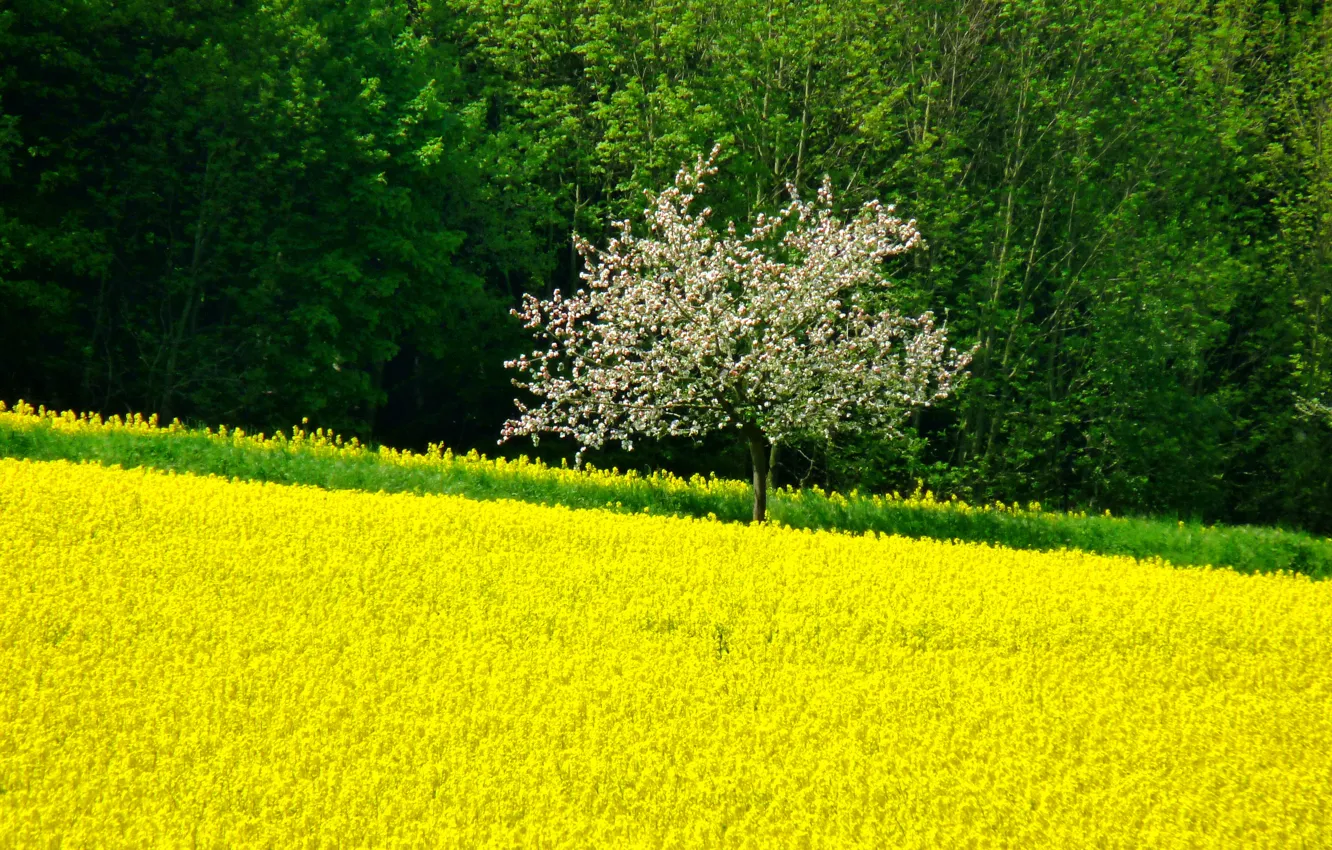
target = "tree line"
x: 253, y: 213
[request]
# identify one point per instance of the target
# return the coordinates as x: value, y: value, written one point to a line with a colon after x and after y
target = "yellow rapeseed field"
x: 326, y: 444
x: 189, y: 661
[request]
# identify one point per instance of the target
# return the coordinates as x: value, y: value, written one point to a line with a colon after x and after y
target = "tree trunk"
x: 758, y: 452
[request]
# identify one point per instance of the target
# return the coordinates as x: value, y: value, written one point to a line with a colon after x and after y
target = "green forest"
x: 233, y: 212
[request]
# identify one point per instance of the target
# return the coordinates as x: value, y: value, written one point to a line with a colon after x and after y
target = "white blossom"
x: 684, y: 330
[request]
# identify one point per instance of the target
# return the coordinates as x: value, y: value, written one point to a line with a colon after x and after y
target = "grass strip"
x: 325, y: 460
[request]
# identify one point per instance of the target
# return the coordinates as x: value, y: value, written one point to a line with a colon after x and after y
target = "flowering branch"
x: 685, y: 331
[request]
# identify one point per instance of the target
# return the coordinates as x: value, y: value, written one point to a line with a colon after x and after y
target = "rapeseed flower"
x: 193, y: 661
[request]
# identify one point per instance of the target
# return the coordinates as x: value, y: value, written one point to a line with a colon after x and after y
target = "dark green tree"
x: 239, y: 211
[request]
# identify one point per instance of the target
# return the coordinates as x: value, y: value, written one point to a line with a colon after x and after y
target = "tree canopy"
x: 253, y: 213
x: 685, y: 331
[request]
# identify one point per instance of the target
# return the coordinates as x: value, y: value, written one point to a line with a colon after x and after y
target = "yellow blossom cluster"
x: 322, y: 443
x: 188, y: 661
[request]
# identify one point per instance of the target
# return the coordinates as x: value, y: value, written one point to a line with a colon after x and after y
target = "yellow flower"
x: 191, y: 661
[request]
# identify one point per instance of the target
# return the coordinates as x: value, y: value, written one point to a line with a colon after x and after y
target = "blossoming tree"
x: 684, y: 331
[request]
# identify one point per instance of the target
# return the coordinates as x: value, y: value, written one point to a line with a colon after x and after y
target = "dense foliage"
x: 324, y: 459
x: 191, y: 661
x: 251, y: 213
x: 230, y: 209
